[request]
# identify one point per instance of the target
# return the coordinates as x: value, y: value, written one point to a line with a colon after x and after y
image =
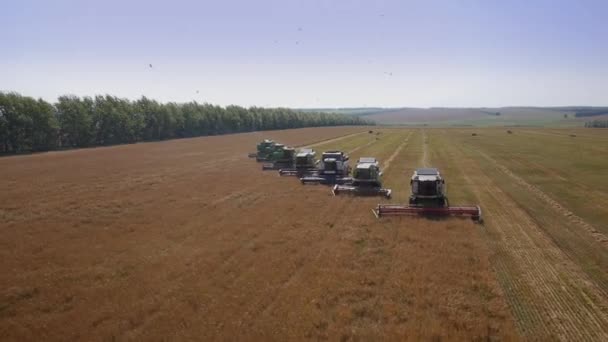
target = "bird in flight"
x: 150, y: 66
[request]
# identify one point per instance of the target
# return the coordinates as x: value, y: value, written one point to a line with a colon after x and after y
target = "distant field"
x: 190, y: 240
x: 350, y: 111
x: 476, y: 117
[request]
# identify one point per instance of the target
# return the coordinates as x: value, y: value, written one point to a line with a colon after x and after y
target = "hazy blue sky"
x: 310, y: 53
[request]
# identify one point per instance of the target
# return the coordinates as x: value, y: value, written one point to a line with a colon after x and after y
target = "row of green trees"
x: 28, y: 124
x: 597, y: 124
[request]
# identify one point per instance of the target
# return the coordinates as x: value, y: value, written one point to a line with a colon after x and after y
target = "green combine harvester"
x: 264, y: 150
x: 282, y: 157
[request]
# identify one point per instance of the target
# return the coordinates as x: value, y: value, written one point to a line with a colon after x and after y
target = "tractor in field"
x: 305, y: 164
x: 333, y: 168
x: 366, y: 180
x: 428, y: 197
x: 282, y: 157
x: 264, y: 149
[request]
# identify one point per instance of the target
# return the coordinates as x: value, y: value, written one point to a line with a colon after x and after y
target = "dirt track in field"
x: 189, y: 239
x: 387, y: 162
x: 424, y: 159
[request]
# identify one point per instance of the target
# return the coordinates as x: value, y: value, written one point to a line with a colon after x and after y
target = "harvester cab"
x: 428, y: 188
x: 333, y: 168
x: 264, y: 149
x: 305, y: 164
x: 366, y: 180
x: 428, y: 198
x: 334, y: 163
x: 281, y: 157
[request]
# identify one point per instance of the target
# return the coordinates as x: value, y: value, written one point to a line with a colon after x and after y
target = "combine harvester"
x: 428, y: 198
x: 282, y: 157
x: 305, y: 164
x: 332, y: 169
x: 264, y: 150
x: 366, y: 181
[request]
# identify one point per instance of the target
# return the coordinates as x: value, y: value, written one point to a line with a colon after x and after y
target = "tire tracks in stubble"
x: 390, y: 159
x: 424, y: 160
x: 362, y: 146
x: 550, y: 296
x: 573, y: 218
x: 327, y: 141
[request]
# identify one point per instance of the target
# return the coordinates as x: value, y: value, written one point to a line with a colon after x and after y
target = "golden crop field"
x: 189, y: 239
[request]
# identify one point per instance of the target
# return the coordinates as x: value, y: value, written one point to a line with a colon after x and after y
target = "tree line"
x: 597, y: 124
x: 29, y: 125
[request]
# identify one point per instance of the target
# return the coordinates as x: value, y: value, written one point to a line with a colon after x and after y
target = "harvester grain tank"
x: 428, y: 197
x: 264, y: 149
x: 305, y: 164
x: 366, y: 180
x: 333, y: 168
